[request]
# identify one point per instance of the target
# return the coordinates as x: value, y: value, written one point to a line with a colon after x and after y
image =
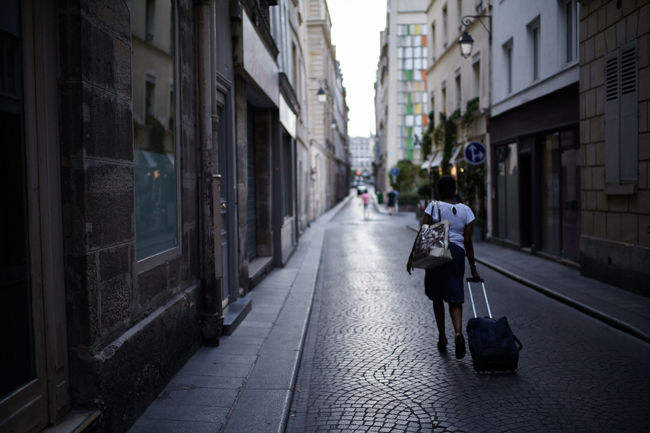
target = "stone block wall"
x: 129, y: 329
x: 615, y: 240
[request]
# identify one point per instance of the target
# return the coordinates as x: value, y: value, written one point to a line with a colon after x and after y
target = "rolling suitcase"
x: 491, y: 342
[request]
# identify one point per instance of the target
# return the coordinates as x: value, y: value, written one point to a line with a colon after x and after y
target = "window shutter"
x: 629, y: 115
x: 612, y: 105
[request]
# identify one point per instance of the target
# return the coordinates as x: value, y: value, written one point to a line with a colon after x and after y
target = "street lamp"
x: 466, y: 42
x: 322, y: 96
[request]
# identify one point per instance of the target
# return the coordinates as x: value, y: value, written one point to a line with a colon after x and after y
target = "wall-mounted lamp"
x: 322, y: 96
x: 466, y: 42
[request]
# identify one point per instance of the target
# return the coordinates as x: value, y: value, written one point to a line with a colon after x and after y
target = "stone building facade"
x: 615, y: 142
x: 151, y: 177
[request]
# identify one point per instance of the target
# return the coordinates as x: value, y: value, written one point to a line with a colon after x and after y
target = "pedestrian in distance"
x: 392, y: 198
x: 445, y: 282
x: 365, y: 198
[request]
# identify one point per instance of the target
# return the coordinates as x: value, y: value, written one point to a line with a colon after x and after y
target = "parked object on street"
x: 491, y: 342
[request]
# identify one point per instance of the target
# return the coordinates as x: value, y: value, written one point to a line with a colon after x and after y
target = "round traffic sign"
x: 474, y: 152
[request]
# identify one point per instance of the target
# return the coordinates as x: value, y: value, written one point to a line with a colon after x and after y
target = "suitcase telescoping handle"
x: 469, y: 288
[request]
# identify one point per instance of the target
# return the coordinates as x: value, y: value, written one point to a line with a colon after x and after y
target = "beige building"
x: 615, y: 142
x: 453, y: 81
x: 327, y: 110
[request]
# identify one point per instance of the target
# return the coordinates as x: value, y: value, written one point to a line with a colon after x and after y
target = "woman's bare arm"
x: 469, y: 250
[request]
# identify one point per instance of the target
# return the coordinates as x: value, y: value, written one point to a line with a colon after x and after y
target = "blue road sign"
x: 394, y: 171
x: 474, y: 152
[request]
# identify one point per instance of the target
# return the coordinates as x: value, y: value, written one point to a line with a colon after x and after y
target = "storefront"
x: 536, y: 176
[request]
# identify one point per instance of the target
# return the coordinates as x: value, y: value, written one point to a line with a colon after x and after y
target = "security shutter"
x: 612, y: 116
x: 629, y: 115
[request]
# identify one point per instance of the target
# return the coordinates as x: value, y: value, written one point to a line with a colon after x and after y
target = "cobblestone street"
x: 371, y: 364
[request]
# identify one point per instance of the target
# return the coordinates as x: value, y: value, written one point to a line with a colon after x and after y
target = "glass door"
x: 570, y: 196
x: 23, y: 384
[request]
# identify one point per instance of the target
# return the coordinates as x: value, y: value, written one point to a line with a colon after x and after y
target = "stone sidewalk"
x: 246, y: 383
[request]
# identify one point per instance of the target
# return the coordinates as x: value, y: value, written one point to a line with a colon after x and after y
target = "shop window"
x: 154, y: 139
x: 621, y: 121
x: 507, y: 189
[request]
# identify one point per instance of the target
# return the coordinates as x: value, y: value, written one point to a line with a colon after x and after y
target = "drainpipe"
x: 209, y: 184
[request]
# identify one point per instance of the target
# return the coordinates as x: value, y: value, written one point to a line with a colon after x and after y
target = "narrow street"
x: 370, y: 361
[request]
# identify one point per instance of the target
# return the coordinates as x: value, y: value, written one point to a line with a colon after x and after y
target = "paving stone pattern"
x: 371, y: 364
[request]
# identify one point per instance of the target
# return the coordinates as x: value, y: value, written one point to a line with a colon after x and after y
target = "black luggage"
x: 491, y: 342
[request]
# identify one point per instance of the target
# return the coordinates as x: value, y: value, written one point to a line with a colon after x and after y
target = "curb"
x: 606, y: 318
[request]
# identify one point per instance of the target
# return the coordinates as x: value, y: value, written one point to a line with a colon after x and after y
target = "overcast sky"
x: 355, y: 32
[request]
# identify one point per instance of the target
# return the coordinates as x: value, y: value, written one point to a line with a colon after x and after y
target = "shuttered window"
x: 621, y: 120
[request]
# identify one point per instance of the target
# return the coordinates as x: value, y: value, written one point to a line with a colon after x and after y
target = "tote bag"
x: 432, y: 244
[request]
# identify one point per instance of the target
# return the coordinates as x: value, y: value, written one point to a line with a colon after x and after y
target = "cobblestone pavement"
x: 370, y: 362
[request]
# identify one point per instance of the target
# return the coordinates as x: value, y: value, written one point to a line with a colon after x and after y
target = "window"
x: 150, y: 19
x: 445, y: 27
x: 534, y: 45
x: 154, y: 139
x: 621, y: 120
x: 458, y: 89
x: 571, y: 30
x: 459, y: 11
x: 507, y: 54
x: 433, y: 41
x: 443, y: 94
x: 476, y: 75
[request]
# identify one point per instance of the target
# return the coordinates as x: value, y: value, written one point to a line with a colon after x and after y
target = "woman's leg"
x: 456, y: 313
x: 439, y: 313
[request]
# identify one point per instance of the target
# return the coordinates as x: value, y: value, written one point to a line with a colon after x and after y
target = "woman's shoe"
x: 460, y: 346
x: 442, y: 344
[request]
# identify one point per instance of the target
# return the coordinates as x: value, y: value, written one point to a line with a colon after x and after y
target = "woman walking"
x: 445, y: 282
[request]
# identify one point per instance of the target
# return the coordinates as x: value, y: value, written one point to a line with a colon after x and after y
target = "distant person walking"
x: 365, y: 197
x: 392, y: 199
x: 445, y: 282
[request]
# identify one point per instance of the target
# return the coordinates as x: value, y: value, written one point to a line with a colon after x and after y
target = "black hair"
x: 446, y: 187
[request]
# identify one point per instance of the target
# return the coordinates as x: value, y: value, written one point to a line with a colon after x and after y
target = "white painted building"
x: 534, y: 125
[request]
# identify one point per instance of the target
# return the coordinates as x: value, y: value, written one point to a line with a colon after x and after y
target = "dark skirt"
x: 446, y: 281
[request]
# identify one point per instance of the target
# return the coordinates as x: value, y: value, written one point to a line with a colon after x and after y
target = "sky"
x: 355, y: 32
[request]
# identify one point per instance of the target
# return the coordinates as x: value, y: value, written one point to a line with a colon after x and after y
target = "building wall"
x: 511, y: 25
x: 400, y: 13
x: 615, y: 237
x: 122, y: 312
x: 446, y: 63
x: 382, y: 85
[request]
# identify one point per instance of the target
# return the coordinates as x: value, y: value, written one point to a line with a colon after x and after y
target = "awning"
x: 427, y: 164
x: 437, y: 158
x: 454, y: 154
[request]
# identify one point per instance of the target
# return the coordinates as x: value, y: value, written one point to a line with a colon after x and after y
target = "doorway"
x: 225, y: 167
x: 33, y: 383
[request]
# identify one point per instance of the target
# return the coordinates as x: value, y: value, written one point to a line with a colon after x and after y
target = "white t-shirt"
x: 457, y: 222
